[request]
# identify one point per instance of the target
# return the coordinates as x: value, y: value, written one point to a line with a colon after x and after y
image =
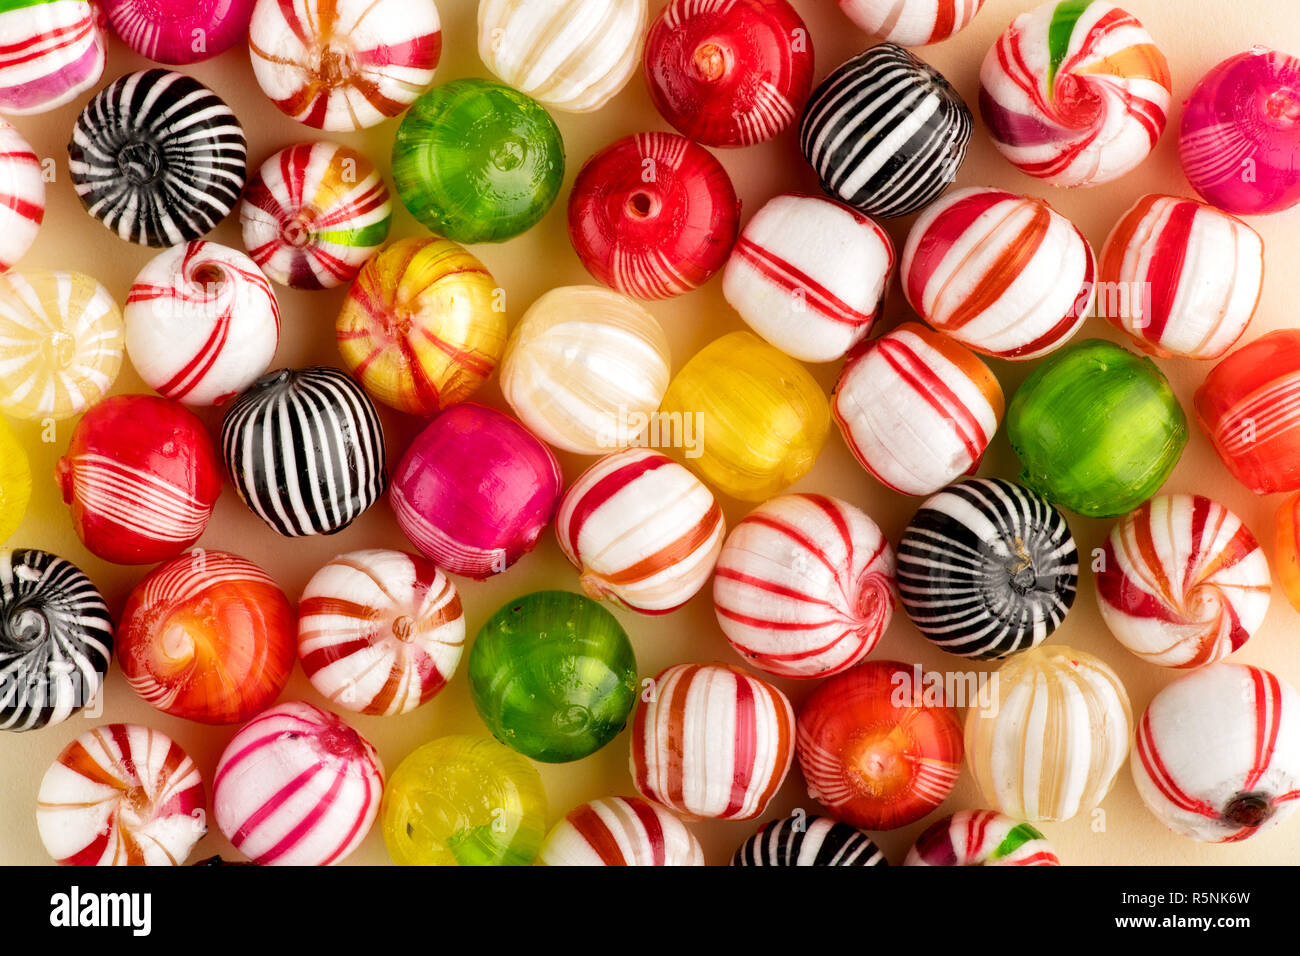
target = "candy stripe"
x: 808, y: 841
x: 620, y: 831
x: 981, y: 838
x: 53, y: 51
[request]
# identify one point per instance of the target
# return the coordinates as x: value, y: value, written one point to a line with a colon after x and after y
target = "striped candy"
x: 1075, y: 92
x: 297, y: 787
x: 121, y: 795
x: 305, y: 450
x: 808, y: 841
x: 885, y: 132
x: 52, y: 52
x: 201, y: 323
x: 179, y: 31
x: 809, y: 275
x: 313, y: 214
x: 158, y: 157
x: 1217, y: 757
x: 620, y: 831
x: 917, y: 410
x: 804, y: 586
x: 22, y: 195
x: 911, y: 22
x: 981, y: 838
x: 1182, y: 582
x: 642, y: 530
x: 1002, y: 274
x: 709, y: 740
x: 344, y: 64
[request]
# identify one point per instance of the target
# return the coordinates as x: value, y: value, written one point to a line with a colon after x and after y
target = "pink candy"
x: 179, y: 31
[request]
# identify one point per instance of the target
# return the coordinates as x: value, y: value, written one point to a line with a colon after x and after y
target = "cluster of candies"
x: 1074, y: 93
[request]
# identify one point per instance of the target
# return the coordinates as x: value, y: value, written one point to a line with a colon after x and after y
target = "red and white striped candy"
x: 22, y: 195
x: 51, y: 51
x: 620, y: 831
x: 297, y: 787
x: 911, y: 22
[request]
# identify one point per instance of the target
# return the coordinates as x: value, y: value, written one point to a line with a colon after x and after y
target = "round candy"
x: 873, y: 751
x: 710, y: 740
x: 380, y: 632
x: 758, y: 419
x: 1238, y: 140
x: 297, y: 787
x: 885, y: 132
x: 15, y: 482
x: 1286, y: 548
x: 653, y: 215
x: 571, y: 55
x: 916, y: 409
x: 804, y: 586
x: 1097, y: 429
x: 22, y: 194
x: 1002, y: 274
x: 911, y: 22
x: 423, y: 326
x: 981, y: 838
x: 475, y: 490
x: 803, y: 840
x: 141, y: 478
x: 1051, y: 736
x: 476, y: 161
x: 464, y: 801
x: 305, y: 450
x: 1182, y: 582
x: 642, y: 531
x: 121, y: 795
x: 809, y: 276
x: 987, y: 569
x: 158, y: 158
x: 1075, y: 92
x: 179, y: 31
x: 208, y: 637
x: 56, y: 639
x: 53, y: 51
x: 344, y: 65
x: 585, y: 369
x: 553, y: 675
x: 620, y: 831
x: 201, y: 323
x: 729, y: 74
x: 1218, y: 753
x: 313, y: 214
x: 61, y: 339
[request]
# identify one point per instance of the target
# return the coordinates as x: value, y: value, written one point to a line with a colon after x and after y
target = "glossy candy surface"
x: 620, y: 831
x: 1182, y: 581
x: 885, y: 132
x: 141, y: 477
x: 313, y: 214
x: 379, y: 632
x: 1097, y: 429
x: 1075, y: 92
x: 464, y: 801
x: 475, y: 490
x: 202, y: 323
x: 158, y: 158
x: 658, y: 239
x: 911, y: 22
x: 808, y: 841
x: 981, y: 838
x: 344, y: 65
x: 22, y: 195
x: 121, y: 795
x: 987, y: 569
x: 423, y: 326
x: 15, y: 482
x: 297, y: 787
x: 1286, y: 548
x: 809, y: 275
x: 804, y: 586
x: 712, y: 741
x: 305, y: 450
x: 53, y: 52
x: 553, y: 675
x: 179, y: 31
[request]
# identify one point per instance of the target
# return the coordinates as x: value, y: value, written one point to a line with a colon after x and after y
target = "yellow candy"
x: 15, y: 482
x: 758, y: 420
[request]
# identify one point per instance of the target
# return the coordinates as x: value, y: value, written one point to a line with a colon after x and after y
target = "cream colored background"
x: 1194, y: 35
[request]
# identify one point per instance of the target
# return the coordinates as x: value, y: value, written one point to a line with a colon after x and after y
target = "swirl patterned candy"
x: 911, y: 22
x: 1182, y: 582
x: 179, y: 31
x: 620, y: 831
x: 981, y: 838
x: 22, y: 195
x: 53, y: 51
x: 121, y: 795
x: 808, y: 841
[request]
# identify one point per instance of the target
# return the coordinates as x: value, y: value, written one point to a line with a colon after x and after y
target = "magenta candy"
x: 475, y: 490
x: 179, y: 31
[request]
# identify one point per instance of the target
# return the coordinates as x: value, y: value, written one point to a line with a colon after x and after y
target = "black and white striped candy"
x: 158, y: 157
x: 56, y: 639
x: 885, y: 132
x: 987, y: 569
x: 305, y: 450
x: 808, y: 841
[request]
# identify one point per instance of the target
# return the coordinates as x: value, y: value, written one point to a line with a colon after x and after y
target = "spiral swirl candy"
x: 981, y: 838
x: 179, y: 31
x: 22, y: 195
x: 808, y: 841
x: 53, y: 51
x: 1075, y: 92
x: 911, y: 22
x: 121, y: 795
x: 313, y: 214
x: 620, y: 831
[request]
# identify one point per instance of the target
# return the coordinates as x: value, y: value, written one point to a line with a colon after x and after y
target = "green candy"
x: 553, y: 675
x: 476, y: 161
x: 1097, y: 429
